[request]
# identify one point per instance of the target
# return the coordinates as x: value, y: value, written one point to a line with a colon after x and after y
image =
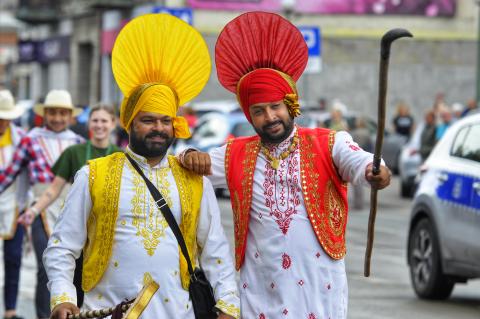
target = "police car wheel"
x: 426, y: 274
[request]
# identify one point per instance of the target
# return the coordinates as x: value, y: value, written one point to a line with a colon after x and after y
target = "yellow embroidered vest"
x: 105, y: 184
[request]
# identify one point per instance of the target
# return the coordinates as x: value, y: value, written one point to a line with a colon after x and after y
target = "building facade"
x: 67, y: 44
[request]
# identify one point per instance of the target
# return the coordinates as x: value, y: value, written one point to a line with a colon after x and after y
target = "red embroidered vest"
x: 324, y: 193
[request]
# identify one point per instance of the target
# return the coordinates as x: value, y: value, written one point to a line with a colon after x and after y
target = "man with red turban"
x: 288, y: 184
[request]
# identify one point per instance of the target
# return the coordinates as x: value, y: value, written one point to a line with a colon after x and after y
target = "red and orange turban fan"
x: 259, y: 57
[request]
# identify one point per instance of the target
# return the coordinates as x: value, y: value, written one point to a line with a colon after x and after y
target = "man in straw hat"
x: 288, y: 184
x: 12, y: 202
x: 110, y: 213
x: 34, y: 155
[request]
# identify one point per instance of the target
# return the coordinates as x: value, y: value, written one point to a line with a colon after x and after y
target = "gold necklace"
x: 275, y: 161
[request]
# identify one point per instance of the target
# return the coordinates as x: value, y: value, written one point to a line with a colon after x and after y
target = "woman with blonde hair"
x: 403, y: 120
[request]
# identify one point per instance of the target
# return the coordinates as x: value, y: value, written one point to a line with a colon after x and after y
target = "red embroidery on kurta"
x: 286, y: 261
x: 354, y: 147
x: 262, y: 316
x: 312, y: 316
x: 301, y: 282
x: 245, y: 285
x: 282, y: 194
x: 272, y: 285
x: 318, y: 255
x: 285, y: 311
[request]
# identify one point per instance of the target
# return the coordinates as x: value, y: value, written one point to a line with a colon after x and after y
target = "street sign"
x: 186, y: 14
x: 313, y: 40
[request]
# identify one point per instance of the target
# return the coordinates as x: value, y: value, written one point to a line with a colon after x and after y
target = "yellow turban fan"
x: 160, y: 63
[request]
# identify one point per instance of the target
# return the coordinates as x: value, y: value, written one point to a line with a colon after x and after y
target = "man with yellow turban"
x: 288, y: 184
x: 159, y: 63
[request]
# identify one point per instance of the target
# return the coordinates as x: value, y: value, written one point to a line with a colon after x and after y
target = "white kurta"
x: 286, y: 273
x: 53, y: 144
x: 144, y: 247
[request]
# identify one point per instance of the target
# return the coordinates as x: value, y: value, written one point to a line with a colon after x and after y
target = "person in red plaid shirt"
x: 36, y: 153
x: 12, y: 203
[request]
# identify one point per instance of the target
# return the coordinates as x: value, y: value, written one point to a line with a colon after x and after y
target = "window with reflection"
x: 467, y: 143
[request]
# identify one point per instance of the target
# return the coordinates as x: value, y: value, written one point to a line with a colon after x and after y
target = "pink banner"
x: 266, y: 5
x: 431, y: 8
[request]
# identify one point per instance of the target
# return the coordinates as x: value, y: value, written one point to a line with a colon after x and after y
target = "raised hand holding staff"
x: 387, y: 40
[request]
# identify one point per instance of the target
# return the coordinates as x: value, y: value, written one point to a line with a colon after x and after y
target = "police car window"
x: 467, y: 143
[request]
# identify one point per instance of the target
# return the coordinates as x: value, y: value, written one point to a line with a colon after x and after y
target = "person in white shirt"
x: 110, y: 213
x: 288, y: 184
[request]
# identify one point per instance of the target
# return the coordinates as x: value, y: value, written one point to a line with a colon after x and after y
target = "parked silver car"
x: 444, y: 232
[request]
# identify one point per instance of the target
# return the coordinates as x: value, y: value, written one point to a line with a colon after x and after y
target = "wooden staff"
x: 387, y: 40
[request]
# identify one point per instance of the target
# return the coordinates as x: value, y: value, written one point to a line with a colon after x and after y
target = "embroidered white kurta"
x: 53, y: 144
x: 286, y: 273
x: 144, y: 247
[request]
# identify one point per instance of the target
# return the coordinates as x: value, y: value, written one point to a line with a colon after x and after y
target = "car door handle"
x: 476, y: 187
x: 442, y: 177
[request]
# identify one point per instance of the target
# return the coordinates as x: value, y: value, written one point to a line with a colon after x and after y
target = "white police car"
x: 444, y: 233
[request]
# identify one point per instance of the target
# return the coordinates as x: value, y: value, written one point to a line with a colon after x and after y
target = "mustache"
x: 272, y: 124
x: 157, y: 134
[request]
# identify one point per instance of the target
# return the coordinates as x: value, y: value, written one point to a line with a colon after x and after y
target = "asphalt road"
x: 385, y: 294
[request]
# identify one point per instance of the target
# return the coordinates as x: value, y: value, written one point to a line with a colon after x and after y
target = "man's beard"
x: 268, y: 138
x: 149, y: 149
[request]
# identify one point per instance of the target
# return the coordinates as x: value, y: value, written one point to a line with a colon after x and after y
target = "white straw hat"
x: 57, y: 99
x: 8, y: 109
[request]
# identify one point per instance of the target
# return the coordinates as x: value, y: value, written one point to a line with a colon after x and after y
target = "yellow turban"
x: 160, y: 63
x: 154, y: 98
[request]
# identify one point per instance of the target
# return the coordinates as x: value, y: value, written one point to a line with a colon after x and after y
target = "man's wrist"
x: 181, y: 156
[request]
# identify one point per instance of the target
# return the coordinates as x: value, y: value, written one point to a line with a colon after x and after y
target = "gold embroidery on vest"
x: 97, y: 251
x: 149, y: 221
x: 241, y: 215
x: 190, y: 190
x: 335, y: 208
x: 313, y: 200
x: 239, y: 227
x: 331, y: 141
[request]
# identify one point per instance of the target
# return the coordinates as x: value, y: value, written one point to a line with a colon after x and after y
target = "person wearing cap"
x: 12, y: 203
x: 288, y: 184
x: 101, y: 122
x: 110, y: 213
x: 35, y: 154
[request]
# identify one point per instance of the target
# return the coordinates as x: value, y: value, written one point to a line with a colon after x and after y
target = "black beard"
x: 150, y: 149
x: 269, y: 139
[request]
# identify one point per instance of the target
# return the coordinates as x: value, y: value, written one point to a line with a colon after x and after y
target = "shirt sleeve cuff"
x: 60, y: 294
x: 229, y: 305
x: 62, y: 298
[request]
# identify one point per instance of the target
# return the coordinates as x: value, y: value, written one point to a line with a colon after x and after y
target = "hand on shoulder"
x: 197, y: 162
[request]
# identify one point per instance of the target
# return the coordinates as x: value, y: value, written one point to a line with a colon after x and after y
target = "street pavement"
x: 387, y: 293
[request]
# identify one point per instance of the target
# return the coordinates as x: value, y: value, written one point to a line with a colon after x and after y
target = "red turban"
x: 263, y: 86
